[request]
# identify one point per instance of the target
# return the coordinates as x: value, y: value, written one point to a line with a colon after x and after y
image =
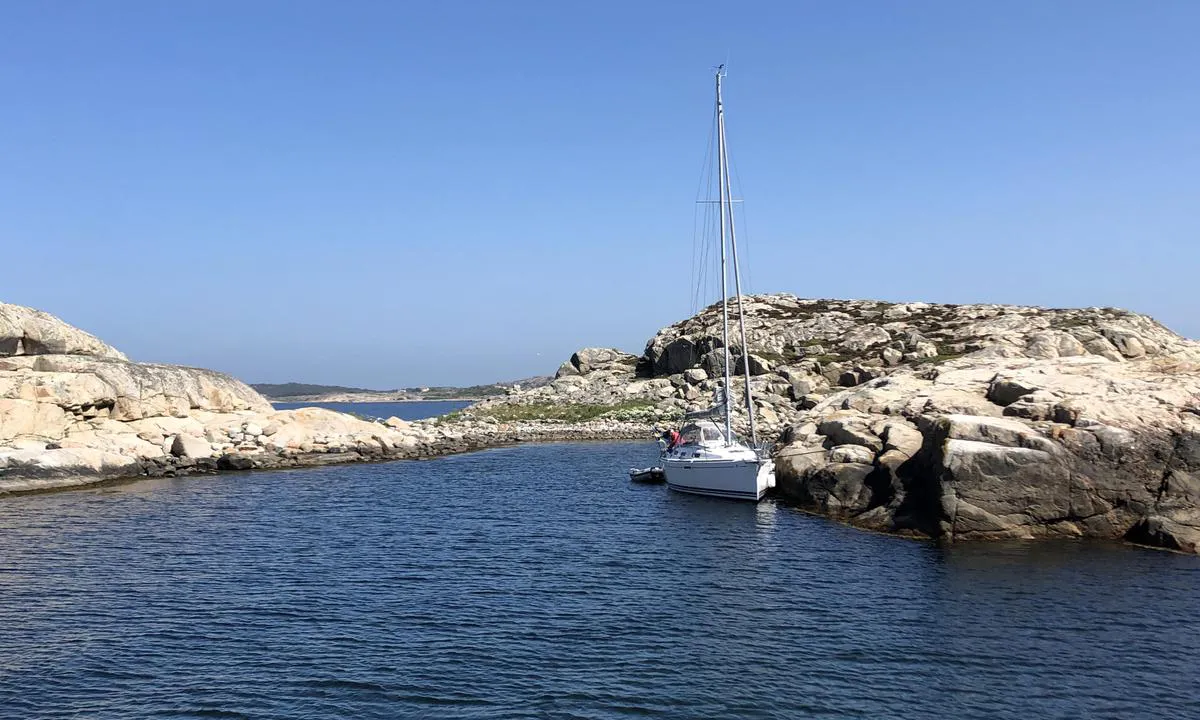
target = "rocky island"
x: 304, y: 392
x: 944, y: 421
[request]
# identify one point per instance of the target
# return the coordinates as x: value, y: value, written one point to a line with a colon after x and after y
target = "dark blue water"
x: 384, y: 410
x: 538, y: 582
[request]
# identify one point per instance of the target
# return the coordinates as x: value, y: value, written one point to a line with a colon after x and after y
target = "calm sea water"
x: 536, y: 581
x: 385, y: 410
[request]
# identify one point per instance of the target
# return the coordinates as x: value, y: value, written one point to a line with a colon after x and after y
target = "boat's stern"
x: 766, y: 475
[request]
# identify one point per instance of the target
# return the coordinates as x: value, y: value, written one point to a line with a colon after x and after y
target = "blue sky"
x: 402, y: 193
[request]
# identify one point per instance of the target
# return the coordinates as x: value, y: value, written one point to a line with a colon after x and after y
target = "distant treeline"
x: 292, y: 389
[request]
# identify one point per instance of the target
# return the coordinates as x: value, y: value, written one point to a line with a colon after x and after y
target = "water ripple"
x: 536, y: 582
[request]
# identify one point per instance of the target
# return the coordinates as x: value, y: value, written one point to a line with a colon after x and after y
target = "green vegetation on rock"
x: 569, y: 412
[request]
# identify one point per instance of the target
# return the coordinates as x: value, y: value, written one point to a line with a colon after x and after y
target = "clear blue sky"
x: 399, y: 193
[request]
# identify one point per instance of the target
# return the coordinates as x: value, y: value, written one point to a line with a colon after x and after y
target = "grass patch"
x: 776, y: 358
x: 1060, y: 322
x: 823, y: 359
x: 564, y: 412
x: 450, y: 417
x: 777, y: 313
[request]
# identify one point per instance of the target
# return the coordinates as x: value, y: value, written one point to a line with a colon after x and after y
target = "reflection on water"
x: 537, y: 581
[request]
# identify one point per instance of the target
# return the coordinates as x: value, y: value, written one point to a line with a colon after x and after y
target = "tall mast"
x: 737, y: 282
x: 721, y: 170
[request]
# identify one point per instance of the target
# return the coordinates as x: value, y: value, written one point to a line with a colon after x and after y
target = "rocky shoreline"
x: 952, y: 422
x: 75, y: 411
x: 429, y: 441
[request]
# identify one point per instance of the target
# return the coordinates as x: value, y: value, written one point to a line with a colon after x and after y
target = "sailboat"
x: 710, y: 459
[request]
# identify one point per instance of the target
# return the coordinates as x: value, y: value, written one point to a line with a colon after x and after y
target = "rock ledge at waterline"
x: 948, y: 421
x: 75, y: 411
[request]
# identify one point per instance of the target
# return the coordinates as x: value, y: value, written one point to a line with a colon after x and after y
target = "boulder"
x: 924, y: 349
x: 1052, y: 344
x: 589, y: 359
x: 849, y: 430
x: 190, y: 446
x: 25, y: 331
x: 1127, y: 342
x: 1006, y: 391
x: 767, y: 417
x: 758, y: 365
x: 1160, y: 531
x: 1037, y: 405
x: 838, y: 489
x: 1099, y: 345
x: 235, y: 461
x: 851, y: 454
x: 713, y: 364
x: 675, y: 357
x: 864, y: 336
x: 898, y: 435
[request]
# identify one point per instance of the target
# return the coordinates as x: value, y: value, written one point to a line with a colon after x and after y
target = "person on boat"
x: 673, y: 438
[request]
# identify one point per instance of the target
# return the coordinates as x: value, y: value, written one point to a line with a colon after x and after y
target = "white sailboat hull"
x: 739, y: 479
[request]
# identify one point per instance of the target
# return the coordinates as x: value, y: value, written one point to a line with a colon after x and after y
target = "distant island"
x: 307, y: 392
